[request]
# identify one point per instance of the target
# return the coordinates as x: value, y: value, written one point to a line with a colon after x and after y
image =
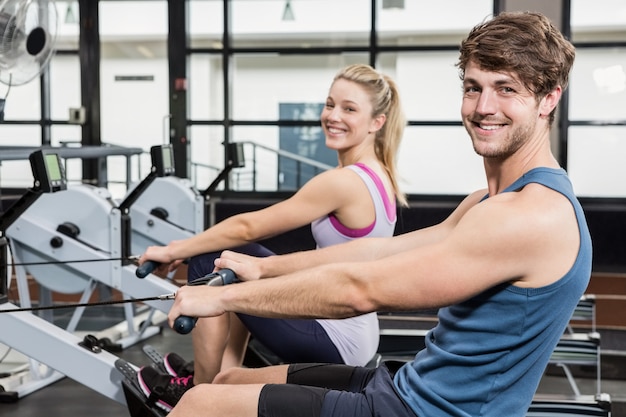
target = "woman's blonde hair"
x: 385, y: 100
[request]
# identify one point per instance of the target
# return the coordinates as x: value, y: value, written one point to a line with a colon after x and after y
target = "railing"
x: 248, y: 178
x: 264, y: 171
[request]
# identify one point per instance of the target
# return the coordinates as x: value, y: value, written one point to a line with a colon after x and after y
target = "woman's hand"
x: 246, y: 267
x: 160, y: 254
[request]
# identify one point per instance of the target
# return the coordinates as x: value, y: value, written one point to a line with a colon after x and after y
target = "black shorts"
x: 321, y: 390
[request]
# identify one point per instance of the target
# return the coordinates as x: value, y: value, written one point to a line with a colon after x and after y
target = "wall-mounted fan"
x: 28, y: 31
x: 27, y: 35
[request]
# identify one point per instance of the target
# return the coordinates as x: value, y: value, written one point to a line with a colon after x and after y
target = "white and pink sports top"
x: 357, y: 338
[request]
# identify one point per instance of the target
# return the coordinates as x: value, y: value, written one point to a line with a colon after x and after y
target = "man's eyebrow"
x: 508, y: 80
x: 505, y: 80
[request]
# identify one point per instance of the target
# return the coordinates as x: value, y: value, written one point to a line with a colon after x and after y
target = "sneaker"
x: 166, y: 388
x: 175, y: 365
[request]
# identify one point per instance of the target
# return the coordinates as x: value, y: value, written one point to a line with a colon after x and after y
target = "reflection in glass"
x: 598, y: 20
x: 598, y: 85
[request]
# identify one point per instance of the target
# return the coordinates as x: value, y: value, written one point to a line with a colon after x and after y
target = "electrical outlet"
x: 77, y: 115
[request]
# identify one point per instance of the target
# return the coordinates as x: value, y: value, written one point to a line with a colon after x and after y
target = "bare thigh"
x: 209, y: 400
x: 266, y: 375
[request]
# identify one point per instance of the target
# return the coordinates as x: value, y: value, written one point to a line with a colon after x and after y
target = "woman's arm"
x: 326, y: 193
x: 359, y: 250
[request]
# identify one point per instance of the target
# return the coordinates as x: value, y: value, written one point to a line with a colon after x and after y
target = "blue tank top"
x: 357, y: 338
x: 487, y: 354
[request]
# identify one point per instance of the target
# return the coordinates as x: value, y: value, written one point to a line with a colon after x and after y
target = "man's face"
x: 498, y: 112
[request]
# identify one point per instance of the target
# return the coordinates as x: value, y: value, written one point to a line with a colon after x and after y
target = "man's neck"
x: 502, y: 173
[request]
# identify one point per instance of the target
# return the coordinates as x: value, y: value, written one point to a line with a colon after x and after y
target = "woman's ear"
x: 377, y: 123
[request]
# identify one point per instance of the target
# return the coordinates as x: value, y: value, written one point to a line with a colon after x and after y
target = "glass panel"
x: 20, y: 135
x: 596, y: 160
x: 68, y: 25
x: 206, y: 23
x: 118, y: 175
x: 429, y: 83
x: 134, y: 81
x: 261, y: 153
x: 439, y: 160
x: 207, y: 154
x: 598, y: 20
x: 262, y: 82
x: 132, y: 19
x: 63, y: 134
x: 598, y: 85
x: 300, y: 23
x: 206, y: 98
x: 22, y: 102
x: 431, y: 160
x: 17, y: 172
x: 444, y: 22
x: 64, y: 86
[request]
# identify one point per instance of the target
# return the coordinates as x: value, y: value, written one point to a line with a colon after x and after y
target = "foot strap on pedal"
x: 138, y: 405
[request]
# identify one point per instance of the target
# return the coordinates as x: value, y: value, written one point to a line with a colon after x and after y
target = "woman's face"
x: 347, y: 116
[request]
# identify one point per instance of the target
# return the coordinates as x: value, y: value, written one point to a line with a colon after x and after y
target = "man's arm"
x: 509, y: 238
x: 358, y: 250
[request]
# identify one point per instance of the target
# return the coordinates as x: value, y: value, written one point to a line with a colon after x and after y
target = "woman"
x: 364, y: 122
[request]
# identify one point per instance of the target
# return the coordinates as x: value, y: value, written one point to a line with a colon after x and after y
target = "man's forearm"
x: 327, y: 291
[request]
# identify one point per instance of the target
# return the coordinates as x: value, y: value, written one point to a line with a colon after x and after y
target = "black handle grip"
x: 185, y: 324
x: 146, y: 268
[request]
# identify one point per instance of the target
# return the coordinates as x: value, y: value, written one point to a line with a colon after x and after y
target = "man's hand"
x: 195, y: 301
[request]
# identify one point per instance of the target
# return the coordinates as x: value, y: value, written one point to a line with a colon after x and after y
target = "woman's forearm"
x: 354, y: 251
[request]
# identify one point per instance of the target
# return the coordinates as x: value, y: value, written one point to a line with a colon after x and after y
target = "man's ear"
x: 550, y: 101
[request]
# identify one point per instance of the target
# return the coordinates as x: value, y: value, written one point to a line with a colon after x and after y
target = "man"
x: 506, y: 268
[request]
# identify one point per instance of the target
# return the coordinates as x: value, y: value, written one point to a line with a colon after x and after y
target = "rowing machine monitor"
x: 47, y: 171
x: 162, y: 160
x: 49, y: 177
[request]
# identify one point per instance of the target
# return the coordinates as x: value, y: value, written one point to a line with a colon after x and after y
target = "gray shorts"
x: 327, y: 390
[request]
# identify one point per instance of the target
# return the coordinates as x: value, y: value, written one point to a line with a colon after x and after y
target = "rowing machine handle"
x: 146, y: 268
x: 185, y: 324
